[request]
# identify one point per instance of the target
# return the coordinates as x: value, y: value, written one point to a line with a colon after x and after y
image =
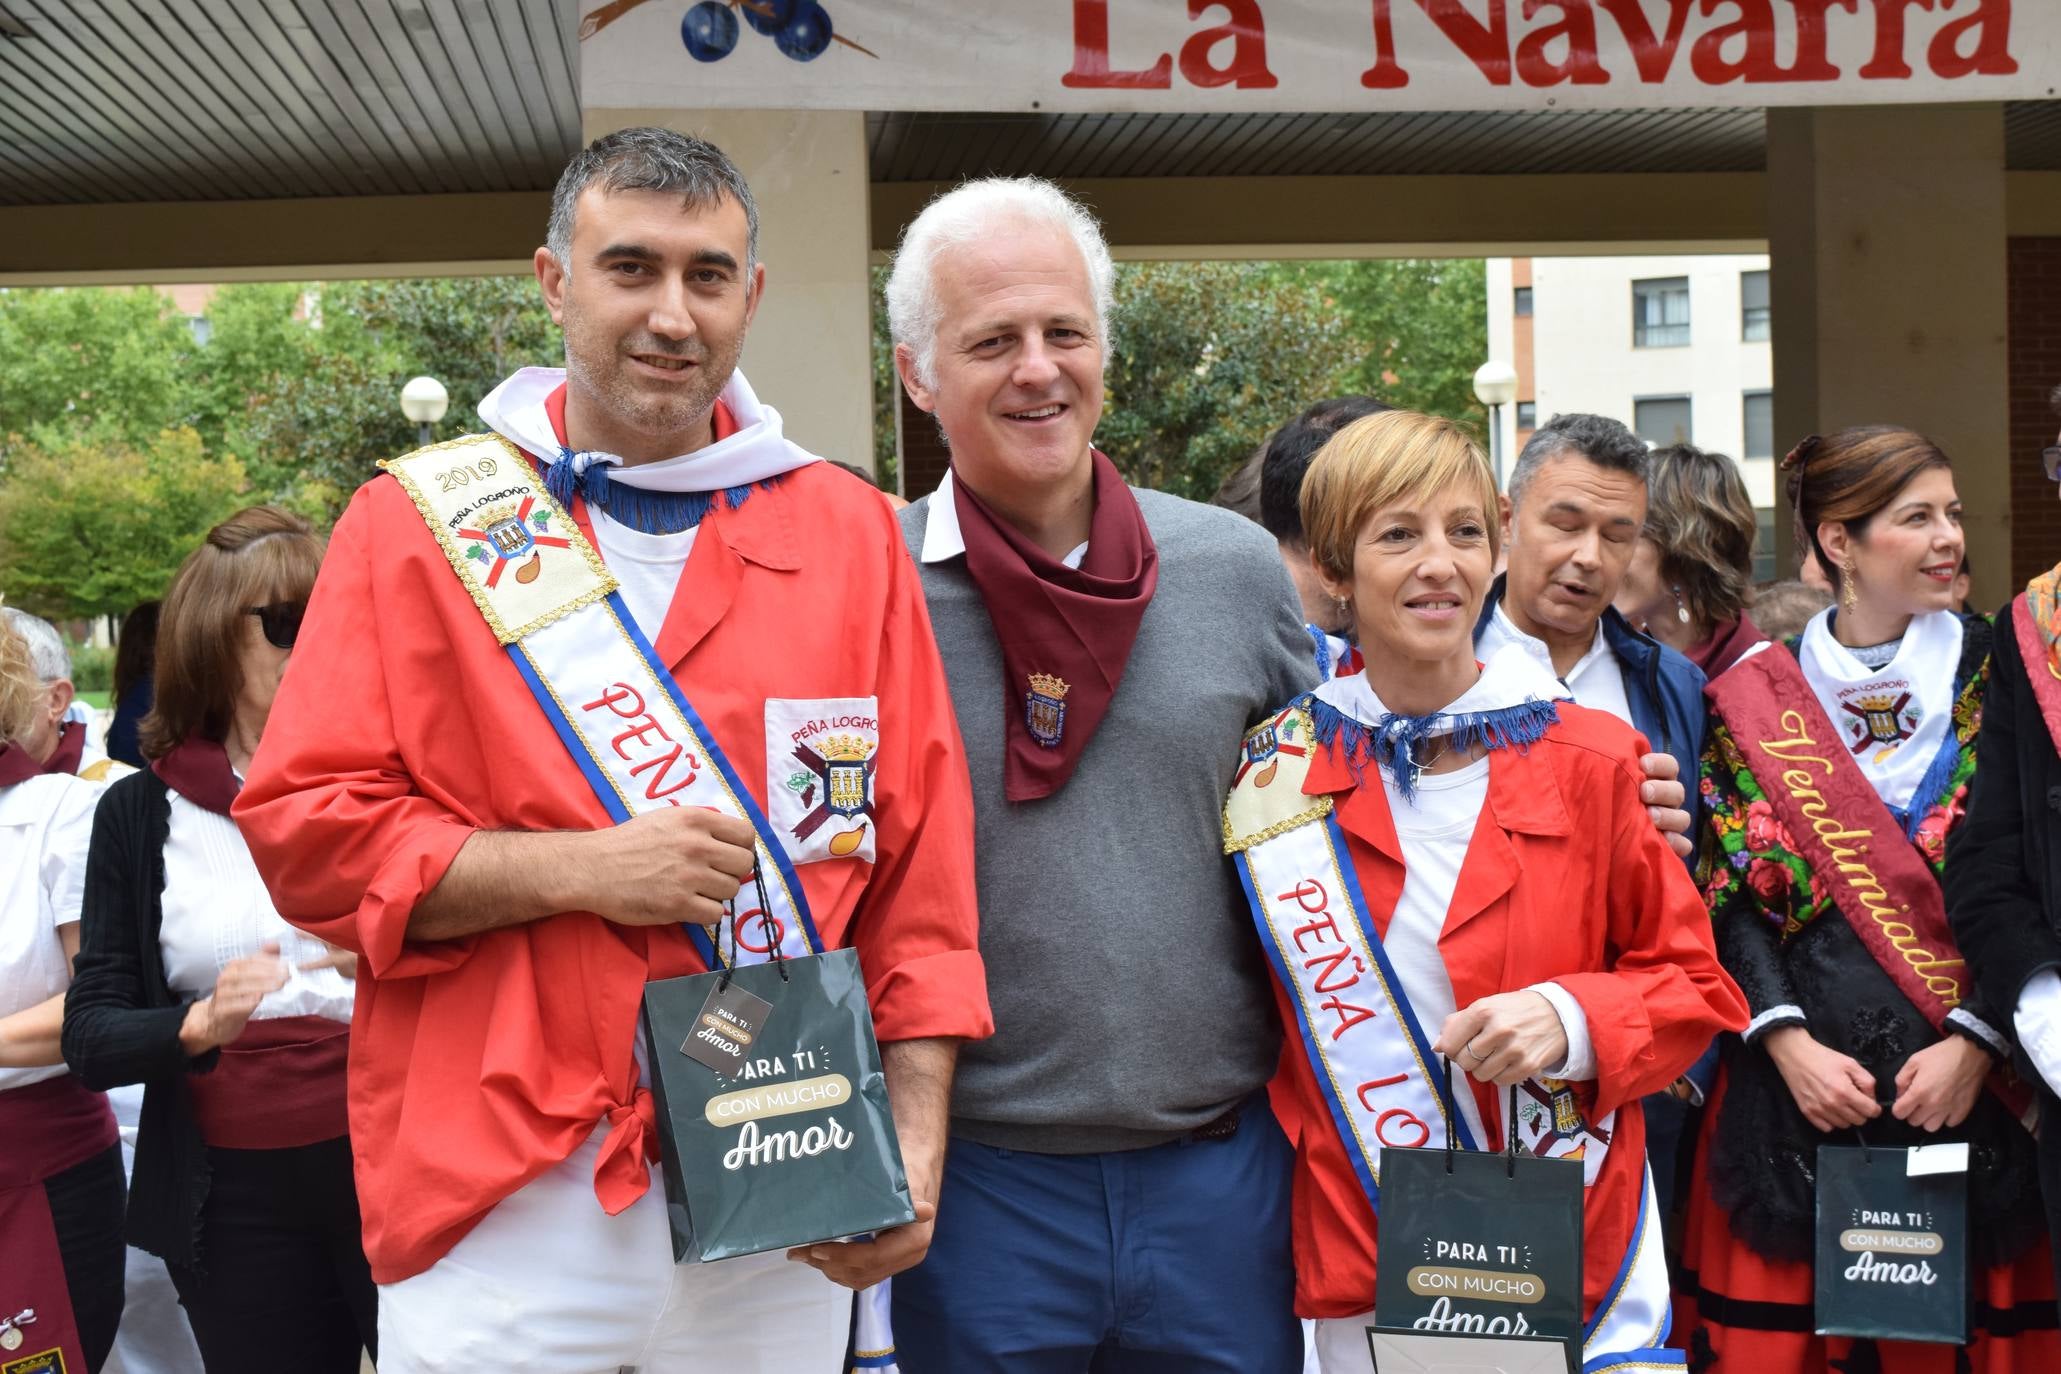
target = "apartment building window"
x: 1527, y: 415
x: 1521, y: 302
x: 1759, y: 415
x: 1754, y: 317
x: 1660, y: 313
x: 1661, y: 420
x: 1758, y: 412
x: 203, y: 329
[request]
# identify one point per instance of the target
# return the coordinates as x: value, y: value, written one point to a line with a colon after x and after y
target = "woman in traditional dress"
x: 60, y: 1160
x: 190, y: 983
x: 1458, y: 838
x: 1692, y: 569
x: 1835, y: 769
x: 2003, y: 871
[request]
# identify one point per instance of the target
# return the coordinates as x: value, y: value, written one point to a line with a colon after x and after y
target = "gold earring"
x: 1848, y: 597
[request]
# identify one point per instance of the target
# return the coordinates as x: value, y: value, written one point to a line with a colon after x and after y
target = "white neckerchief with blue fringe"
x: 1897, y: 720
x: 664, y: 497
x: 1511, y: 703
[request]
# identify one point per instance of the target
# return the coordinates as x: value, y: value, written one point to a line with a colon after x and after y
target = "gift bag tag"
x: 725, y: 1027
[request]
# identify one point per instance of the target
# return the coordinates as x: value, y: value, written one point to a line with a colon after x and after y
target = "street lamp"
x: 1495, y: 386
x: 424, y: 401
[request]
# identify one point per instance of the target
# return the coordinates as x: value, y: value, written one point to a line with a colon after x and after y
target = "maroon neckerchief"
x: 198, y: 770
x: 16, y: 766
x: 1066, y: 633
x: 1725, y: 646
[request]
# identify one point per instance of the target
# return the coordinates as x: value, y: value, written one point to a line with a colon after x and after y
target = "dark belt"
x: 1223, y: 1128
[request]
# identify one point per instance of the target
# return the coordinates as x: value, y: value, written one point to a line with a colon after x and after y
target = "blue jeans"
x: 1169, y: 1260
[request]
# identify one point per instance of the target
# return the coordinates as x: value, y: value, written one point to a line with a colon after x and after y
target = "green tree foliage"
x: 1419, y: 328
x: 1208, y: 359
x: 99, y: 525
x: 317, y: 423
x: 78, y: 363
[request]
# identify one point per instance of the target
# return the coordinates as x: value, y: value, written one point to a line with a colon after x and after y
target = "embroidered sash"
x: 1372, y: 1059
x: 2039, y: 667
x: 549, y: 601
x: 1878, y: 880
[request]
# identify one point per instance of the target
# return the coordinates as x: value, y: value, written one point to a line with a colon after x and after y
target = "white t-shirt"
x: 647, y: 565
x: 46, y: 827
x: 216, y: 910
x: 1597, y: 679
x: 1434, y: 828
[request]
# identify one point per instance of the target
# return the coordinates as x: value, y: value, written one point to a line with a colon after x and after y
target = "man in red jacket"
x: 413, y: 802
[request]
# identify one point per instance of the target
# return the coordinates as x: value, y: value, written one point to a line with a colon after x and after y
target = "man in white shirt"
x: 1576, y: 505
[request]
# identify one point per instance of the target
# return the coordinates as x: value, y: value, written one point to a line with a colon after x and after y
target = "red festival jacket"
x: 1565, y: 872
x: 402, y: 727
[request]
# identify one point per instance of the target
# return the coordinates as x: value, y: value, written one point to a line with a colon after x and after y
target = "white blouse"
x: 46, y: 827
x: 216, y: 910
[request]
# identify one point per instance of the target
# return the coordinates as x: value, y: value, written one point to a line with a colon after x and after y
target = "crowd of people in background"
x: 1541, y: 731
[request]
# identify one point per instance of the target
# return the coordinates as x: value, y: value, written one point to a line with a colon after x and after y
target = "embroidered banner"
x: 549, y: 600
x: 1879, y: 882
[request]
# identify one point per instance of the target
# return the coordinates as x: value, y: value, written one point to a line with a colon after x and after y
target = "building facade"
x: 1677, y: 347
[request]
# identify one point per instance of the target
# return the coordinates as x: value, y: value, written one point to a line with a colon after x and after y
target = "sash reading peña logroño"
x: 555, y: 608
x: 1841, y: 827
x: 1371, y: 1057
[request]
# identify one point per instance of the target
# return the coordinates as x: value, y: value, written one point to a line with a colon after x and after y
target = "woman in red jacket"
x: 1456, y: 840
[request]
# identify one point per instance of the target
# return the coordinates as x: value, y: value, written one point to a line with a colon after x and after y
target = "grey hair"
x: 46, y: 646
x: 1598, y: 438
x: 967, y: 214
x: 650, y: 159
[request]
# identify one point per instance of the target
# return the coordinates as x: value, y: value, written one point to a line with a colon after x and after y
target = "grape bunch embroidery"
x: 800, y: 29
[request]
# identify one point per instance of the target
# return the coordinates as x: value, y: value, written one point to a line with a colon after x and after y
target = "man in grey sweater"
x: 1118, y: 1188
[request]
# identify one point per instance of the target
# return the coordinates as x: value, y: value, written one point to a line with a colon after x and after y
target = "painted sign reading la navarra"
x: 1333, y: 55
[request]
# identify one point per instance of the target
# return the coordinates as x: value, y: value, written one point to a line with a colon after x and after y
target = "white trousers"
x: 548, y: 1283
x: 1341, y: 1344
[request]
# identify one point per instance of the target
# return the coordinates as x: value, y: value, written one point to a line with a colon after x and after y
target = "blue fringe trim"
x: 650, y: 512
x: 1393, y: 744
x: 1931, y: 790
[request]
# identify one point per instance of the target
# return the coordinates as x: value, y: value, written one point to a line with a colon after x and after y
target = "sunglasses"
x: 2051, y: 456
x: 281, y: 622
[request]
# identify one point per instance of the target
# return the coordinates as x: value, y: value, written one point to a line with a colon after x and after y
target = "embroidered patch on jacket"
x: 819, y: 775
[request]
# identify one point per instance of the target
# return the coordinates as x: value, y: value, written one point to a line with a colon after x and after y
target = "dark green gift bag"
x: 1892, y: 1247
x: 793, y: 1142
x: 1480, y: 1247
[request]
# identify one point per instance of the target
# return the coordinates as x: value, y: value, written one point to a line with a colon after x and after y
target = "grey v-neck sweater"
x: 1131, y: 998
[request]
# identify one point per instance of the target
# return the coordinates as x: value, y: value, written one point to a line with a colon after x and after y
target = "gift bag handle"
x: 1452, y: 1107
x: 774, y: 955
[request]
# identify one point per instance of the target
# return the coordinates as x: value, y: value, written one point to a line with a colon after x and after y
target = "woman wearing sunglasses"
x: 189, y: 983
x: 2003, y: 868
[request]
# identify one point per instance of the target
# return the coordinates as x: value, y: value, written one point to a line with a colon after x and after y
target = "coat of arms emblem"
x: 842, y: 765
x: 1885, y: 722
x: 502, y: 534
x: 1044, y: 708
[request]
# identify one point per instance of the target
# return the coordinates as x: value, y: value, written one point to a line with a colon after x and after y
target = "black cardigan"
x: 2003, y: 869
x: 122, y: 1019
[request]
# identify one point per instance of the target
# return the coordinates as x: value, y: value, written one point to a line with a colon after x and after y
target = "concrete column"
x: 1887, y: 228
x: 809, y: 352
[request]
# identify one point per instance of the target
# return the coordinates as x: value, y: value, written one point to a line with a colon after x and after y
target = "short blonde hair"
x: 1382, y: 459
x: 21, y: 689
